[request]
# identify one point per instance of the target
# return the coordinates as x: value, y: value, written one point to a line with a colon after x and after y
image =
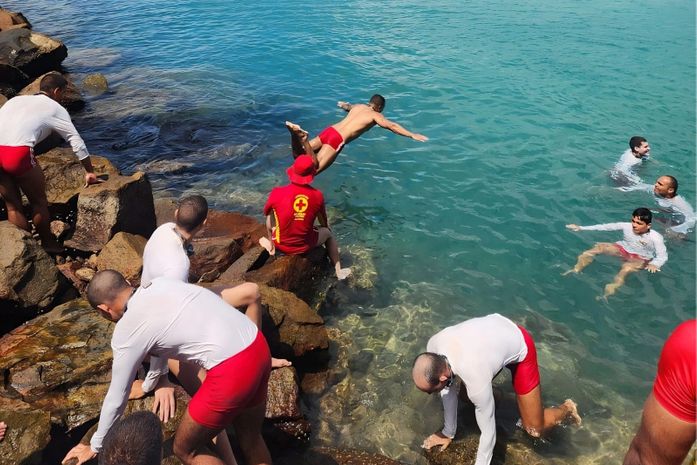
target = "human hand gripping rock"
x: 437, y: 439
x: 82, y: 452
x: 91, y: 178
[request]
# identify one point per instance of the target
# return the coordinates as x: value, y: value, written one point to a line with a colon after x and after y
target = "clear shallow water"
x: 527, y: 106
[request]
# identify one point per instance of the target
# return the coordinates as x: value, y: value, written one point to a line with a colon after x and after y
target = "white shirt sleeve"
x: 123, y: 371
x: 484, y: 410
x: 690, y: 218
x: 661, y: 252
x: 158, y: 368
x: 63, y: 125
x: 636, y: 187
x: 449, y: 398
x: 604, y: 227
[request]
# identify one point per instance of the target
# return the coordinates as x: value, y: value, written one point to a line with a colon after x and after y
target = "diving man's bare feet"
x: 296, y: 130
x: 280, y: 362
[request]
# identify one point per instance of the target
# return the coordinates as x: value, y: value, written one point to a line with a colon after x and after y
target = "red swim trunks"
x: 332, y: 137
x: 235, y: 384
x: 675, y: 387
x: 629, y: 256
x: 526, y: 374
x: 16, y: 161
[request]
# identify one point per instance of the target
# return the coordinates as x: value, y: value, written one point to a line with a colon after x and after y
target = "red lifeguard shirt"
x: 295, y: 208
x: 675, y: 387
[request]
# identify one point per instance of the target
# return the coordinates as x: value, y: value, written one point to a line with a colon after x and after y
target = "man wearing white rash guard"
x: 474, y: 352
x: 624, y: 168
x: 170, y: 319
x: 640, y: 249
x: 24, y: 122
x: 166, y: 254
x: 665, y: 191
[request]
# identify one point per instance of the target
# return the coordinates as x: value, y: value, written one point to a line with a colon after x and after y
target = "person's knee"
x: 181, y: 450
x: 252, y: 290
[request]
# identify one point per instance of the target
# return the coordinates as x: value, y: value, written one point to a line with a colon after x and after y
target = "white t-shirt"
x: 677, y: 204
x: 477, y: 350
x: 26, y: 120
x: 164, y: 255
x: 624, y: 168
x: 649, y: 246
x: 169, y: 319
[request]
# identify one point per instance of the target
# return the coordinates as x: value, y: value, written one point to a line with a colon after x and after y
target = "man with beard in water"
x: 361, y: 118
x: 473, y: 353
x: 667, y: 429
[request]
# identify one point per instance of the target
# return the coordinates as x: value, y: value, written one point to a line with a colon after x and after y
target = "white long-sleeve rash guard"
x: 169, y: 319
x: 649, y: 246
x: 26, y: 120
x: 164, y: 256
x: 477, y: 350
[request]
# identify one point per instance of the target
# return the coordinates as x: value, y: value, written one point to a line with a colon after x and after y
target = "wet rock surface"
x: 28, y: 433
x: 28, y: 276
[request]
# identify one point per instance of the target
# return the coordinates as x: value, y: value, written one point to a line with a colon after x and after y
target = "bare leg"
x: 586, y: 258
x: 268, y: 245
x: 3, y: 429
x: 13, y: 202
x: 630, y: 266
x: 189, y: 441
x: 326, y: 237
x: 190, y: 377
x: 536, y: 420
x: 247, y: 294
x: 248, y: 430
x: 33, y: 184
x: 295, y: 140
x: 326, y: 157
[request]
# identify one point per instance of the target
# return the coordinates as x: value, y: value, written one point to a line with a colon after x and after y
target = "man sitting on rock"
x: 169, y: 319
x: 295, y: 207
x: 25, y: 121
x: 471, y: 354
x: 167, y: 254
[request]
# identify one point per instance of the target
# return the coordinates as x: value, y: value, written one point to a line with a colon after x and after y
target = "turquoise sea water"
x: 527, y: 105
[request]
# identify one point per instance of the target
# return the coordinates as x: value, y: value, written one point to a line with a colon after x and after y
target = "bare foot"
x: 296, y: 129
x: 572, y: 270
x: 3, y: 428
x: 342, y: 273
x: 573, y: 412
x: 268, y: 245
x: 609, y: 290
x: 280, y: 362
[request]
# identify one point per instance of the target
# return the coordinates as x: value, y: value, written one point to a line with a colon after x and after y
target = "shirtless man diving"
x: 361, y: 118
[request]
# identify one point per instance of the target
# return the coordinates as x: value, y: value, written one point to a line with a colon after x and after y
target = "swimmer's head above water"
x: 666, y: 186
x: 641, y: 220
x: 639, y: 146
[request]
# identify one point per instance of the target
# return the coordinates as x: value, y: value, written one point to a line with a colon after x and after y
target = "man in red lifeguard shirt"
x: 294, y: 208
x: 667, y: 429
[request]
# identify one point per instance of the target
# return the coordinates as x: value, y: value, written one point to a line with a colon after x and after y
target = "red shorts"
x: 629, y: 256
x: 233, y: 385
x: 16, y: 161
x: 309, y: 243
x: 675, y: 387
x: 332, y: 137
x: 526, y: 374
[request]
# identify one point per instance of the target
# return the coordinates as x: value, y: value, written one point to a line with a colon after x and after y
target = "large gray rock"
x: 65, y: 177
x: 28, y: 433
x: 59, y: 362
x: 28, y: 276
x: 122, y: 203
x: 31, y: 52
x: 123, y: 253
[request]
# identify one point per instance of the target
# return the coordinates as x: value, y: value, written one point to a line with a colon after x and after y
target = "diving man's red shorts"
x: 237, y: 383
x: 526, y: 374
x: 675, y: 387
x: 332, y: 137
x: 16, y: 161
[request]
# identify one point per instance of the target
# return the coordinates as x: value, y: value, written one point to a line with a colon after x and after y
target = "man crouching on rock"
x: 474, y: 352
x: 169, y: 319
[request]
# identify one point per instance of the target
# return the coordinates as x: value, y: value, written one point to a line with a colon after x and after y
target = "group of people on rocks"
x: 220, y: 357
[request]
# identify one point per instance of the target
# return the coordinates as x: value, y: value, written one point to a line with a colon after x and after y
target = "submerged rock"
x: 28, y: 276
x: 283, y: 402
x: 122, y: 203
x: 31, y: 52
x: 28, y: 433
x: 95, y: 84
x: 333, y: 456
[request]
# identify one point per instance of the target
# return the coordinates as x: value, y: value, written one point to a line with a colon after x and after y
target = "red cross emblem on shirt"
x: 300, y: 204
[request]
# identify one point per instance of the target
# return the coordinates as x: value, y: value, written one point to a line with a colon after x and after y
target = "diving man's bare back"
x: 360, y: 118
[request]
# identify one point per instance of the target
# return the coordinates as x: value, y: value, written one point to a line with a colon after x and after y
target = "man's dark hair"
x: 193, y: 211
x: 435, y: 365
x: 105, y: 286
x: 644, y: 214
x: 133, y: 440
x: 635, y: 142
x: 52, y: 81
x: 378, y: 100
x: 673, y: 183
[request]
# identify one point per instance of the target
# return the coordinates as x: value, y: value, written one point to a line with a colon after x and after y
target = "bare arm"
x: 383, y: 122
x: 322, y: 217
x: 344, y: 105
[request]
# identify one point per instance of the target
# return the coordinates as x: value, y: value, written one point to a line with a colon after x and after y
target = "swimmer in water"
x: 637, y: 153
x: 361, y: 117
x: 640, y: 249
